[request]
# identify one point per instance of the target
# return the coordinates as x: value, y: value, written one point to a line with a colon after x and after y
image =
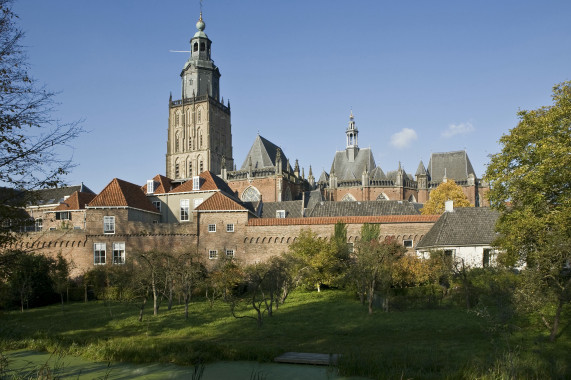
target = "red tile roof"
x: 165, y: 185
x: 220, y: 202
x: 119, y: 193
x: 344, y: 219
x: 76, y: 201
x: 208, y: 182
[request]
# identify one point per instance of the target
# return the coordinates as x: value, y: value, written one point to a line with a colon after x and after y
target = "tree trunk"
x: 371, y: 296
x: 555, y: 325
x: 318, y: 287
x: 141, y: 308
x: 186, y: 301
x: 85, y: 293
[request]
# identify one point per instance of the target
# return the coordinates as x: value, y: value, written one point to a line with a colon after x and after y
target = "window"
x: 108, y: 224
x: 118, y: 253
x: 190, y: 168
x: 76, y: 228
x: 229, y: 253
x: 150, y: 186
x: 196, y: 183
x: 230, y: 227
x: 63, y: 215
x: 157, y: 205
x: 176, y: 170
x: 52, y: 228
x: 176, y: 140
x: 212, y: 228
x: 201, y: 163
x: 183, y: 210
x: 197, y: 202
x: 199, y: 119
x: 350, y: 247
x: 251, y: 194
x: 213, y: 254
x: 99, y: 253
x: 487, y: 259
x: 39, y: 224
x: 280, y: 214
x: 407, y: 243
x: 449, y: 252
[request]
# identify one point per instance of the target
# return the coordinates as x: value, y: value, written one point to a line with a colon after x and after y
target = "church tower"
x: 199, y: 129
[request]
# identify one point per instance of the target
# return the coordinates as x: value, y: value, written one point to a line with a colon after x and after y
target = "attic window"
x: 280, y: 214
x: 195, y: 183
x: 407, y: 243
x: 150, y: 186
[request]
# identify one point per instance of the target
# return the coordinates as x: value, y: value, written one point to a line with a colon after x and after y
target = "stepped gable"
x: 222, y: 202
x: 208, y: 182
x: 292, y: 209
x: 76, y: 201
x: 345, y: 169
x: 363, y: 208
x: 55, y: 195
x: 465, y: 226
x: 165, y: 185
x: 456, y: 166
x: 119, y: 193
x: 263, y: 154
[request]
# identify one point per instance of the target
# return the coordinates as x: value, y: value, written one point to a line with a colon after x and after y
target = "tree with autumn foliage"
x: 530, y: 184
x: 448, y: 190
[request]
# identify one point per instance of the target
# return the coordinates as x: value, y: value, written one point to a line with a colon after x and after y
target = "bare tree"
x: 31, y: 139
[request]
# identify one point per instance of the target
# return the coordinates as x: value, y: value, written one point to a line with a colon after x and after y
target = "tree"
x: 30, y: 138
x: 60, y: 276
x: 316, y: 261
x: 530, y: 184
x: 448, y: 190
x: 372, y: 266
x: 188, y: 274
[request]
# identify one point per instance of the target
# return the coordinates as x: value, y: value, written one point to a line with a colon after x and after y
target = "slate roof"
x: 312, y: 198
x: 465, y: 226
x: 363, y: 208
x: 221, y: 202
x: 456, y: 164
x: 263, y: 154
x: 119, y: 193
x: 55, y: 195
x: 323, y: 178
x: 164, y: 185
x: 77, y: 201
x: 421, y: 170
x: 208, y: 182
x: 346, y: 170
x: 377, y: 174
x: 292, y: 209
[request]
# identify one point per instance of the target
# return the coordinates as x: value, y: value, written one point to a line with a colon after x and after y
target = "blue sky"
x: 420, y: 76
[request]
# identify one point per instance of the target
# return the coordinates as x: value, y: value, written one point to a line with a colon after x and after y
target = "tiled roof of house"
x: 363, y: 208
x: 119, y: 193
x: 55, y: 195
x: 263, y: 154
x: 163, y: 185
x: 76, y: 201
x: 208, y: 182
x: 465, y: 226
x: 344, y: 219
x: 221, y: 202
x: 456, y: 166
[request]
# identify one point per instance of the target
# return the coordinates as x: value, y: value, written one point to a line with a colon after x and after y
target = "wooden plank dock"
x: 307, y: 358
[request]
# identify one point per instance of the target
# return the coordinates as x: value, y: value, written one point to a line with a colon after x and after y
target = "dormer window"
x: 150, y: 186
x: 196, y: 183
x: 280, y: 214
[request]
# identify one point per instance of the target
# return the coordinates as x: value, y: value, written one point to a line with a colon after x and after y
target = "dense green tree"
x: 448, y: 190
x: 530, y: 183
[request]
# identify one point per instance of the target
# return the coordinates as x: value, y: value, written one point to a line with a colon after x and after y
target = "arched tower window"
x: 251, y: 194
x: 199, y: 139
x: 176, y: 142
x: 195, y: 48
x: 199, y: 115
x: 190, y: 167
x: 190, y: 143
x: 177, y: 169
x: 202, y: 46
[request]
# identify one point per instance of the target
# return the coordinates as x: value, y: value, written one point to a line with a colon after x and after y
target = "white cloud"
x: 403, y: 138
x: 458, y: 129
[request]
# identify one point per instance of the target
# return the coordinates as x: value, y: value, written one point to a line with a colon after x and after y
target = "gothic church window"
x: 251, y: 194
x: 199, y: 116
x: 176, y: 170
x: 190, y: 168
x: 348, y: 198
x: 176, y: 143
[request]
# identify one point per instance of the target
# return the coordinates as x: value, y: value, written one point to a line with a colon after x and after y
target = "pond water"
x: 27, y: 363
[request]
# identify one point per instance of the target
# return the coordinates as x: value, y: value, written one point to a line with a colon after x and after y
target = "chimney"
x: 449, y: 206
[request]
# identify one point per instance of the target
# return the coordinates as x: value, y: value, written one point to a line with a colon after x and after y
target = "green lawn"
x: 434, y: 343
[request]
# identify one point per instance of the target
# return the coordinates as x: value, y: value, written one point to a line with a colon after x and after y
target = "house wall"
x: 473, y: 256
x: 170, y: 204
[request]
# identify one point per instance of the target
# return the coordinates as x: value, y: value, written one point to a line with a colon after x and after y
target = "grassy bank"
x: 435, y: 343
